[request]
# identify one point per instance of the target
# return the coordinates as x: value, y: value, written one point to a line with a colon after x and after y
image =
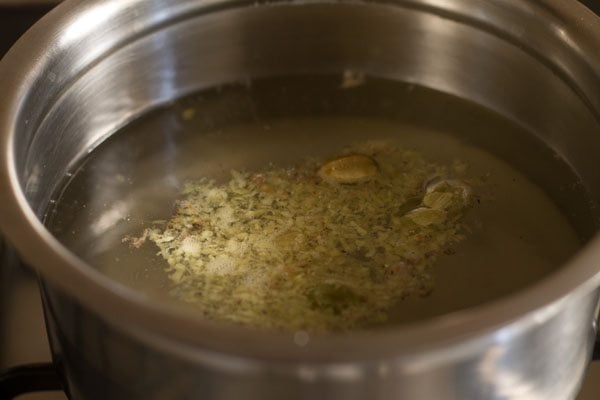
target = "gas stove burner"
x: 28, y: 379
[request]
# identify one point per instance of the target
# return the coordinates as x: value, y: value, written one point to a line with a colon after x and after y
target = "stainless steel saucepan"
x: 91, y: 66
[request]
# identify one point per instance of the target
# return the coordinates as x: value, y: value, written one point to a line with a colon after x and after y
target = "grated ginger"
x: 291, y: 249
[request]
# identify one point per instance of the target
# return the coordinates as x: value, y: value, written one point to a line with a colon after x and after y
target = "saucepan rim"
x: 132, y: 311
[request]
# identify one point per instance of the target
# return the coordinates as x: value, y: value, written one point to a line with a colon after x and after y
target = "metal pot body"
x: 100, y: 361
x: 93, y: 66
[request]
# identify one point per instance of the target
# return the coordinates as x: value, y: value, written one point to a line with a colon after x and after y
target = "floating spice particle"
x: 349, y: 169
x: 451, y: 186
x: 427, y: 216
x: 352, y: 79
x: 459, y: 167
x: 279, y: 250
x: 188, y: 114
x: 438, y: 200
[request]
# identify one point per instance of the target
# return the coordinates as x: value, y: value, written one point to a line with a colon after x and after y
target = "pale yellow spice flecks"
x: 290, y: 249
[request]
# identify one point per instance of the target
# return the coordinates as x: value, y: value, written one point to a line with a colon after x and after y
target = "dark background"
x: 593, y: 5
x: 14, y: 21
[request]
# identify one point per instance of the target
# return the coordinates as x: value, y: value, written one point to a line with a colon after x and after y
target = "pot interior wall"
x: 533, y: 77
